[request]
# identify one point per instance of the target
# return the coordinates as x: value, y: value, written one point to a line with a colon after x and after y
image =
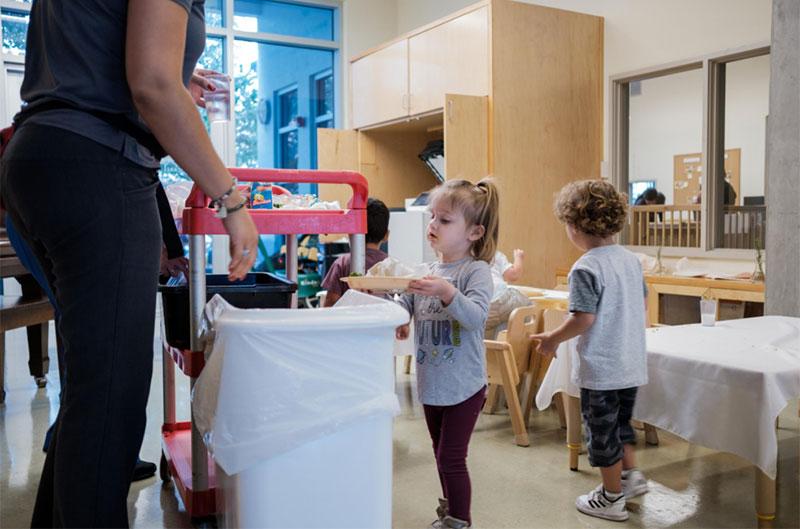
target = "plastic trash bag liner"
x: 354, y: 297
x: 278, y: 378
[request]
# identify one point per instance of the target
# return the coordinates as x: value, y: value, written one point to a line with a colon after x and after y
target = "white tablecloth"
x: 721, y: 387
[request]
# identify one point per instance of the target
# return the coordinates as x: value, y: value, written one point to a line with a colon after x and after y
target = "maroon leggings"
x: 450, y: 428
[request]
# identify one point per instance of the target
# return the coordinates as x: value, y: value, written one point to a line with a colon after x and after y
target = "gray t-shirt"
x: 76, y: 53
x: 451, y: 359
x: 608, y: 282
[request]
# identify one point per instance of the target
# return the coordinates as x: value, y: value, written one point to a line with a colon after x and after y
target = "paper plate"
x: 380, y: 283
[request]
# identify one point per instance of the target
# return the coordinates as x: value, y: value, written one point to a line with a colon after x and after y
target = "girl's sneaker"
x: 597, y: 504
x: 448, y: 522
x: 633, y: 483
x: 441, y: 512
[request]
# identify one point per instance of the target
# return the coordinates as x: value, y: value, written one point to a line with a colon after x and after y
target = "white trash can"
x: 296, y: 407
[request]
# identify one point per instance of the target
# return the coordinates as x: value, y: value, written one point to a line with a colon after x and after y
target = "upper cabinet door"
x: 379, y: 89
x: 466, y: 137
x: 450, y: 58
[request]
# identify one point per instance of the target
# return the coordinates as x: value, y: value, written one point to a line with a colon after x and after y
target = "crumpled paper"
x: 391, y: 267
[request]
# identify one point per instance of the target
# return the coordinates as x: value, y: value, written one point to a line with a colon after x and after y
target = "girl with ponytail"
x: 450, y: 307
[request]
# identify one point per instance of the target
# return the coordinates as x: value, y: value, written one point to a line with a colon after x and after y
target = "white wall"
x: 640, y: 33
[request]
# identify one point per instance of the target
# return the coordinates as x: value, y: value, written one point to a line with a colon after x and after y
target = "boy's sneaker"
x: 597, y: 504
x: 633, y: 483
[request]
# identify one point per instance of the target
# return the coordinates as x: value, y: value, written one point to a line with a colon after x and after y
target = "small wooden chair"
x: 507, y: 358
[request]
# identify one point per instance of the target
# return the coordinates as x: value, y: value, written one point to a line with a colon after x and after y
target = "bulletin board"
x: 688, y: 172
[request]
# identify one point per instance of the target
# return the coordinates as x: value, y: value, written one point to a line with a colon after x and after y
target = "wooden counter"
x: 719, y: 289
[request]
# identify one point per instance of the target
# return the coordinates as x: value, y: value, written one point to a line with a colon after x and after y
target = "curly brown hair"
x: 593, y: 207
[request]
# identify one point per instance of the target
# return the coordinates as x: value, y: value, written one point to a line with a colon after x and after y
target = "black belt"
x: 118, y: 121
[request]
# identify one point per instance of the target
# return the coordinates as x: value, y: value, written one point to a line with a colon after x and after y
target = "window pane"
x: 746, y: 109
x: 288, y: 107
x: 283, y: 18
x: 170, y: 172
x: 665, y: 142
x: 214, y: 13
x: 15, y: 27
x: 324, y: 95
x: 213, y: 57
x: 266, y: 113
x: 288, y: 150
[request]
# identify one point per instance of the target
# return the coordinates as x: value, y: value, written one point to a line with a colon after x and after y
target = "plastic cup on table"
x: 708, y: 312
x: 218, y: 101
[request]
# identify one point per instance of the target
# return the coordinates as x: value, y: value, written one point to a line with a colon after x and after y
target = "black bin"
x: 259, y: 290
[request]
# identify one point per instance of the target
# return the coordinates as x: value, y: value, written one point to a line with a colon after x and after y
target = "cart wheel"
x: 163, y: 469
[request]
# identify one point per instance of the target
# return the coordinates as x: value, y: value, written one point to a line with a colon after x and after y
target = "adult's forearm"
x: 171, y: 114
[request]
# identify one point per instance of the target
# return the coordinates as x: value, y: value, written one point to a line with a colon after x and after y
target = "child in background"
x: 377, y: 234
x: 507, y: 271
x: 506, y: 298
x: 450, y: 307
x: 607, y: 300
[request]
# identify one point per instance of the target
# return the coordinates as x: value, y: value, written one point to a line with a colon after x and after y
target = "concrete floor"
x: 512, y: 486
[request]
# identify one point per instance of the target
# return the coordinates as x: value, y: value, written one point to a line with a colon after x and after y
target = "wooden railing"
x: 745, y: 227
x: 679, y: 226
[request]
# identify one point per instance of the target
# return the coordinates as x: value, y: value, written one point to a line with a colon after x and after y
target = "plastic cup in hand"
x: 708, y: 312
x: 218, y: 101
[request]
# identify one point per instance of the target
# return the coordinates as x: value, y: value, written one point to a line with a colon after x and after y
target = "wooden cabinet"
x: 451, y: 58
x: 410, y: 77
x: 379, y: 89
x: 388, y: 156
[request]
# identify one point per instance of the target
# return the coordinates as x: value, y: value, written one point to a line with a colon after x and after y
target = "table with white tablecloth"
x: 721, y: 387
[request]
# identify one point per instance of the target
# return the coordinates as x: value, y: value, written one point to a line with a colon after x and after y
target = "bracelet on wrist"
x: 219, y: 201
x: 223, y: 211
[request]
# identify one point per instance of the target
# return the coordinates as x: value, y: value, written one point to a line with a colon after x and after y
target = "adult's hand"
x: 173, y: 267
x: 200, y: 84
x: 243, y: 245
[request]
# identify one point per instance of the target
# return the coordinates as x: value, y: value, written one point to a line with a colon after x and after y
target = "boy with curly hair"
x: 607, y: 300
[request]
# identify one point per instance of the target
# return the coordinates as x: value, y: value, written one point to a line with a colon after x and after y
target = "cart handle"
x: 198, y: 199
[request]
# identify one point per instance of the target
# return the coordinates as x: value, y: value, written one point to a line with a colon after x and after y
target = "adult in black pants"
x: 173, y: 262
x: 81, y: 191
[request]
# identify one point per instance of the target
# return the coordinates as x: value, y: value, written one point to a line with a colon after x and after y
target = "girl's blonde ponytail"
x: 484, y: 248
x: 480, y: 204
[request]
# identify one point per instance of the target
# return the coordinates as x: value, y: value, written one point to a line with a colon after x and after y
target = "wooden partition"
x: 547, y: 124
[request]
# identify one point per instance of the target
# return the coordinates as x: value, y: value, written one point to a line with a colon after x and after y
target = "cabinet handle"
x: 449, y: 110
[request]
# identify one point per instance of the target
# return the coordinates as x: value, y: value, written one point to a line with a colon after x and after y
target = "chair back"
x: 522, y: 322
x: 538, y: 363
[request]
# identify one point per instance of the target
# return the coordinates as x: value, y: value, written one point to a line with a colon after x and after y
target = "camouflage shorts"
x: 607, y: 421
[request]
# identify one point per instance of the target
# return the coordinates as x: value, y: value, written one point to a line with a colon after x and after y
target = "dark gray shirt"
x: 451, y: 359
x: 76, y: 52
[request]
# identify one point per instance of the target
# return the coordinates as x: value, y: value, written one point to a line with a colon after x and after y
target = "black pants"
x: 90, y: 217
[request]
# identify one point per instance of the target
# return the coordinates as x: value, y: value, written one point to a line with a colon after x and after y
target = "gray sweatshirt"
x: 451, y: 359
